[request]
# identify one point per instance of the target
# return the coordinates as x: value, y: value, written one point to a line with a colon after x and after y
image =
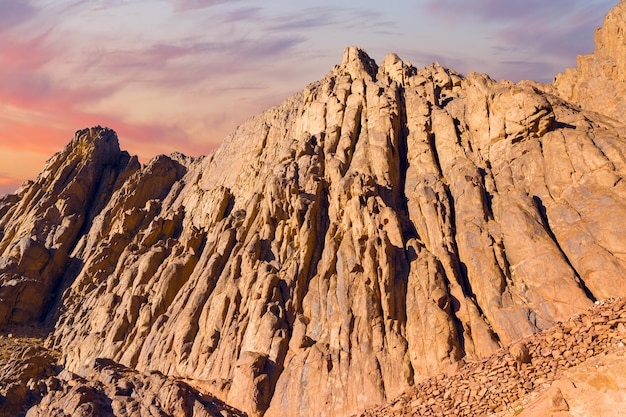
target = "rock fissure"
x: 544, y: 220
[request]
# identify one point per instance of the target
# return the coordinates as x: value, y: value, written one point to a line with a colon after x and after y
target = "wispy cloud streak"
x: 185, y: 5
x: 547, y: 34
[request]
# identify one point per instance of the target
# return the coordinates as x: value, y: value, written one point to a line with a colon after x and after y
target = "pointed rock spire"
x: 358, y: 63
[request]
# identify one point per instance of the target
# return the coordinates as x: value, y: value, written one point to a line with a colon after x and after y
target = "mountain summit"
x: 336, y: 250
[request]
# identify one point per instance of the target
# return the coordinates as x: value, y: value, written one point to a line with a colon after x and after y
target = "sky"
x: 179, y: 75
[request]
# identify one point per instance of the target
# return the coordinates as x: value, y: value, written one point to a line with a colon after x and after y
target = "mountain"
x: 367, y: 234
x: 600, y: 76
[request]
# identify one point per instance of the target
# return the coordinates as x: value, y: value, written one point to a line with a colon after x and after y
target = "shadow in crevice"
x: 560, y: 125
x: 541, y: 209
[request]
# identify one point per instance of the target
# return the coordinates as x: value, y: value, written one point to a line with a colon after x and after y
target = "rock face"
x: 599, y: 82
x: 366, y: 234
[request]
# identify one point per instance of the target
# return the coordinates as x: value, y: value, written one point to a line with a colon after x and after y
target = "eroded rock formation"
x: 364, y: 235
x: 39, y: 226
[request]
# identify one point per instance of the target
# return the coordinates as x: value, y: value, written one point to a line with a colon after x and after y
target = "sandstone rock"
x: 594, y: 388
x: 336, y: 251
x: 24, y: 364
x: 520, y: 353
x: 557, y: 401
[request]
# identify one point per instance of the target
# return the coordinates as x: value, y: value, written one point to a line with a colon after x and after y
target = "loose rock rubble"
x: 496, y: 386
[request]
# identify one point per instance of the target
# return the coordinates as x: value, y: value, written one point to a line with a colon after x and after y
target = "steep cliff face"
x: 364, y: 235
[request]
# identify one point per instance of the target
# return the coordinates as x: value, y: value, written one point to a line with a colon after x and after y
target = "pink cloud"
x: 50, y: 111
x: 25, y: 54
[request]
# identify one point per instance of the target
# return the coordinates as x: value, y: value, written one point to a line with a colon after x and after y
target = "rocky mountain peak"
x: 97, y: 137
x: 41, y: 223
x: 338, y: 249
x: 358, y: 63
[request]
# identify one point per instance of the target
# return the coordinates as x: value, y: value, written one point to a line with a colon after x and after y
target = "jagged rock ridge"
x: 600, y: 77
x: 362, y: 236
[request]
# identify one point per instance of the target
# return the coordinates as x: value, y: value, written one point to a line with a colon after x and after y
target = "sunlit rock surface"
x: 369, y: 232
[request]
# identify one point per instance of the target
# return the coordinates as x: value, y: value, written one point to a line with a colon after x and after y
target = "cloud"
x: 25, y: 54
x: 26, y: 84
x: 37, y: 109
x: 186, y: 5
x: 565, y: 36
x: 545, y: 24
x: 6, y: 178
x: 322, y: 17
x: 496, y: 10
x: 14, y: 13
x: 246, y: 14
x: 188, y: 64
x: 311, y: 18
x: 550, y: 34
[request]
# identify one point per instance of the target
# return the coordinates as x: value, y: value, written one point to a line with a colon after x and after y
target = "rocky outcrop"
x: 599, y: 81
x: 338, y: 249
x: 109, y: 389
x: 41, y: 223
x: 595, y: 388
x: 32, y: 384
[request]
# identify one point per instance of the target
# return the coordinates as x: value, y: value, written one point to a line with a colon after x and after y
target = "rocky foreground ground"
x: 33, y: 383
x: 575, y: 368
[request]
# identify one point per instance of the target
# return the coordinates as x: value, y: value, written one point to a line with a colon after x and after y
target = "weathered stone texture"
x: 338, y: 249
